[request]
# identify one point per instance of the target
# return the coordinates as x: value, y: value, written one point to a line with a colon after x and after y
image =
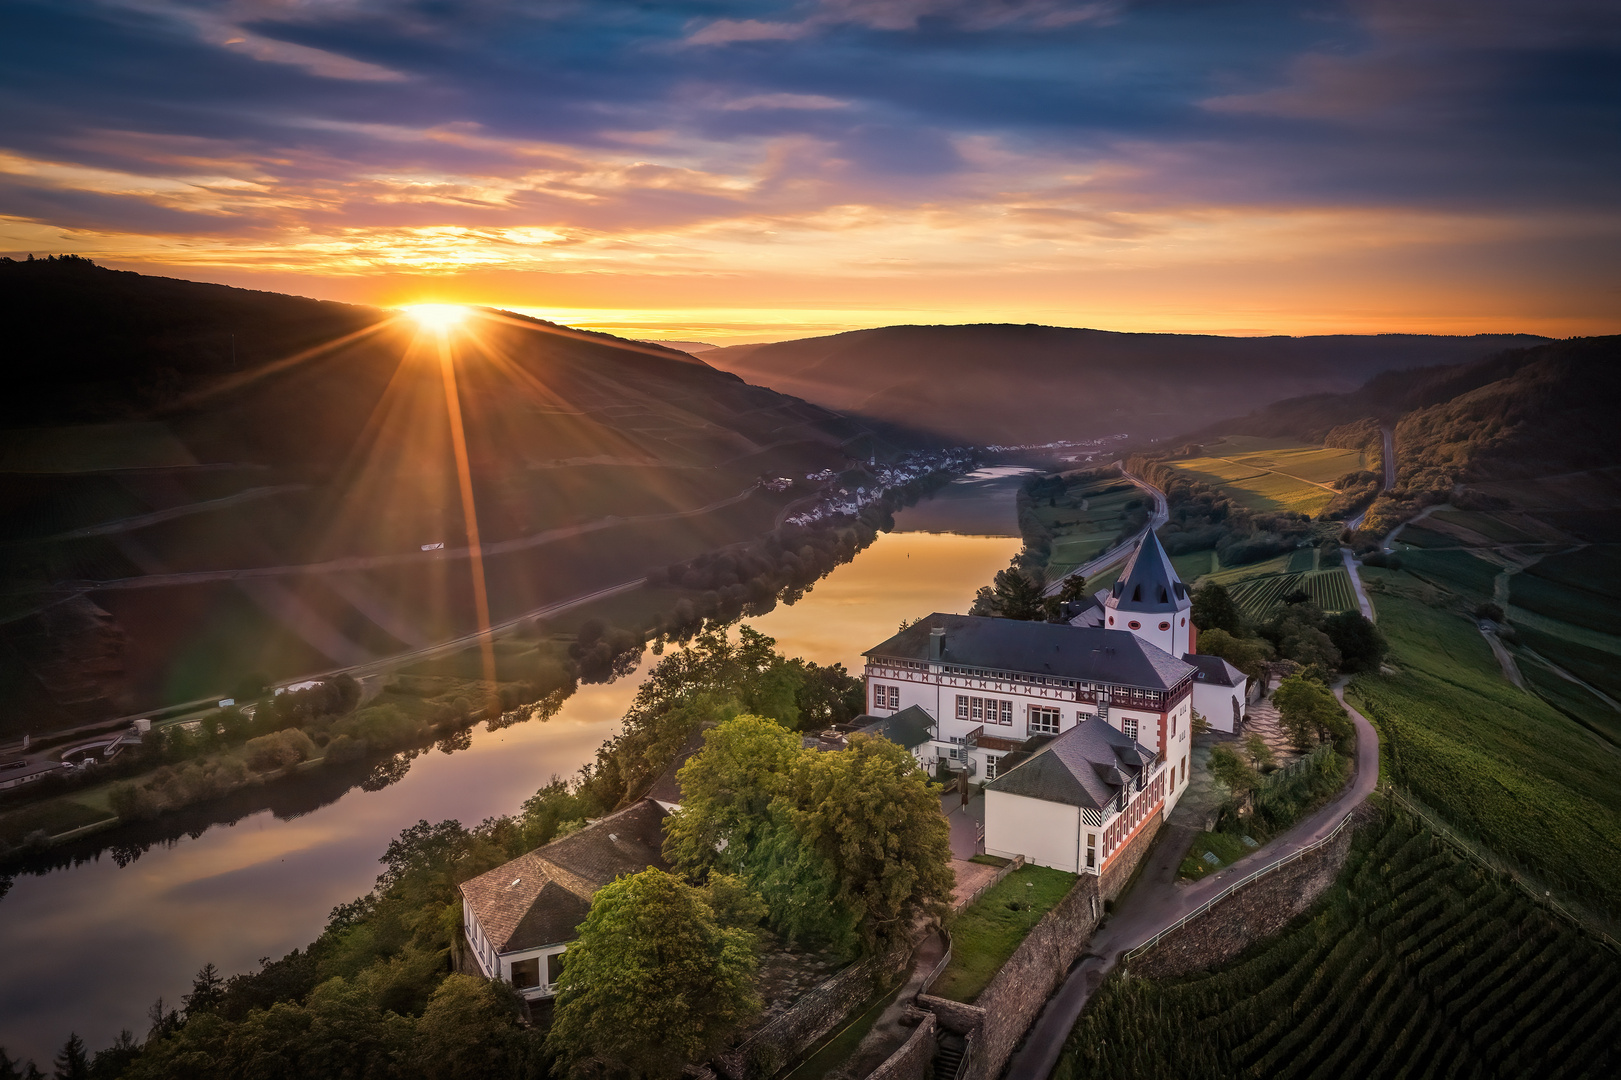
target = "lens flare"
x: 440, y: 318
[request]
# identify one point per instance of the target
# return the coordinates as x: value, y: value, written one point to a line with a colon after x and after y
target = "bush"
x: 284, y: 748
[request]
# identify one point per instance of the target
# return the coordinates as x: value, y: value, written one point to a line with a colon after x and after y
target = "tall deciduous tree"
x: 1248, y: 655
x: 871, y: 814
x: 1310, y: 711
x: 1013, y: 594
x: 652, y: 982
x: 727, y: 790
x: 1214, y: 609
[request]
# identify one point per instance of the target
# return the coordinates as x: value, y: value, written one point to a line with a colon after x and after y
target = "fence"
x: 1239, y: 884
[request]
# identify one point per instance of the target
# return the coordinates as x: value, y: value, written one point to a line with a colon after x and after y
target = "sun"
x: 439, y: 318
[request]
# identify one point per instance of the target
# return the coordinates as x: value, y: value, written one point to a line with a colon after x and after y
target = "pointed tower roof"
x: 1149, y: 582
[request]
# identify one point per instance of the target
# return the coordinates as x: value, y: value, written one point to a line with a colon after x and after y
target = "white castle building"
x: 1125, y: 663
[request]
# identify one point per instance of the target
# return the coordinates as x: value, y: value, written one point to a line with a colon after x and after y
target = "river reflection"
x: 87, y: 948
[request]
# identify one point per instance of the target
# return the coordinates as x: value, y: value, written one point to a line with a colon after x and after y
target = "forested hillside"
x: 202, y: 481
x: 1018, y: 385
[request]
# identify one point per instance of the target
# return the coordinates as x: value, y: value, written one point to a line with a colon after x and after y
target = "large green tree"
x: 727, y: 792
x: 1360, y: 643
x: 874, y: 819
x: 1013, y: 594
x: 652, y: 982
x: 1248, y: 655
x: 1310, y: 712
x: 1215, y: 609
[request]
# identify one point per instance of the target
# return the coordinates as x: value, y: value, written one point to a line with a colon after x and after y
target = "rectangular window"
x: 1128, y: 724
x: 554, y: 968
x: 1091, y: 851
x: 962, y: 707
x: 1043, y: 721
x: 1007, y: 714
x: 990, y: 767
x: 1184, y: 769
x: 526, y: 973
x: 976, y: 708
x: 894, y: 697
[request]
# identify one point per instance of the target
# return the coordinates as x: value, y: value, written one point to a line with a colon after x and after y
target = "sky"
x: 748, y: 171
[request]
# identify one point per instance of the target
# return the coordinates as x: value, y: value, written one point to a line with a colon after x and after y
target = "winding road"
x: 1160, y: 516
x: 1156, y: 903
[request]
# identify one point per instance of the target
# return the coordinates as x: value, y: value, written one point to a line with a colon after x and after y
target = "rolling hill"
x: 1031, y: 384
x: 199, y: 481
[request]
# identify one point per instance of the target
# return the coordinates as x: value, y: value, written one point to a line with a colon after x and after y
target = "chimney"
x: 937, y: 643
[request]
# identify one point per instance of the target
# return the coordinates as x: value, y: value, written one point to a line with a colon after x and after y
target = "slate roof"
x: 1149, y: 582
x: 541, y: 897
x: 1085, y: 766
x: 1086, y: 653
x: 1213, y: 670
x: 911, y: 727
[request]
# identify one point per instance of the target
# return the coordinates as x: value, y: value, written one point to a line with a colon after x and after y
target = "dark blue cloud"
x: 1378, y: 102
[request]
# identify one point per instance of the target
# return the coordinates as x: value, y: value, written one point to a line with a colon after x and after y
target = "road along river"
x: 88, y: 947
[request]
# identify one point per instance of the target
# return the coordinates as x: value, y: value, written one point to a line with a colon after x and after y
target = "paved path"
x: 1118, y: 553
x: 1505, y: 659
x: 1351, y: 566
x: 1156, y: 903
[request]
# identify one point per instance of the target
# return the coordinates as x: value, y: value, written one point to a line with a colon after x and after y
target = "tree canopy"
x: 653, y: 981
x: 1311, y: 712
x: 1013, y: 594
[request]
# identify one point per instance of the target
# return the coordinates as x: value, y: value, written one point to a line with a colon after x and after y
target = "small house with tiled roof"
x: 1076, y: 803
x: 519, y: 918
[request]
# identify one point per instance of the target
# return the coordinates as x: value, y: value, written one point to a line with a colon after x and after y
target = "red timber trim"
x: 1193, y: 637
x: 1128, y: 824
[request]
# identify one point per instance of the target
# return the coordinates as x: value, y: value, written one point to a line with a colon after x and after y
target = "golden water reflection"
x: 88, y: 948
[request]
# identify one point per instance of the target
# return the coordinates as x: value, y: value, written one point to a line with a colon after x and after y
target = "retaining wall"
x: 914, y: 1060
x: 764, y: 1053
x: 1004, y: 1010
x: 1252, y: 912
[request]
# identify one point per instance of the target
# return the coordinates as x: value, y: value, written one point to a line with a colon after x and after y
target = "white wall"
x: 1045, y: 833
x: 1173, y: 639
x: 1215, y: 703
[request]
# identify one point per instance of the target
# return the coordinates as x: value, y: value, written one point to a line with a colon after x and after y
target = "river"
x: 87, y: 948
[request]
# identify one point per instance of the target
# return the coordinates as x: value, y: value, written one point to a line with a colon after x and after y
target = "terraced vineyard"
x: 1329, y: 589
x: 1416, y: 964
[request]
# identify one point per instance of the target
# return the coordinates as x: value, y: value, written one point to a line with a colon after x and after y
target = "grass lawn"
x: 990, y: 929
x: 1224, y: 846
x: 55, y: 816
x: 1498, y: 763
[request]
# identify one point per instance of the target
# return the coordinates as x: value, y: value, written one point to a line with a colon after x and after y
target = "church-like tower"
x: 1149, y: 600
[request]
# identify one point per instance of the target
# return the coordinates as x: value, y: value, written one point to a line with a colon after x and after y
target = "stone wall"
x: 1004, y: 1010
x: 765, y: 1052
x: 1033, y: 972
x: 914, y: 1060
x: 1248, y: 914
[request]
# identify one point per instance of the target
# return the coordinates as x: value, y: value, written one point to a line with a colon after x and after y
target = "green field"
x: 1457, y: 571
x: 1086, y: 519
x: 1416, y: 964
x: 1491, y: 526
x: 1499, y: 764
x: 988, y: 931
x: 1330, y: 590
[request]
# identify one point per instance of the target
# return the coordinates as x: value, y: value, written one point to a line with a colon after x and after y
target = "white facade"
x: 1078, y: 840
x: 1045, y: 833
x: 1168, y: 630
x: 1221, y: 706
x: 1025, y: 705
x: 532, y: 972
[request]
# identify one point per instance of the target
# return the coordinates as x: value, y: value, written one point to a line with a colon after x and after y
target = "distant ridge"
x: 1013, y: 384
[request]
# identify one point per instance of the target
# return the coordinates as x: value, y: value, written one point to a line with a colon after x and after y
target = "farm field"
x: 1417, y: 964
x: 1501, y: 765
x: 1272, y: 478
x: 1456, y: 571
x: 1329, y: 589
x: 1491, y: 526
x: 1085, y: 521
